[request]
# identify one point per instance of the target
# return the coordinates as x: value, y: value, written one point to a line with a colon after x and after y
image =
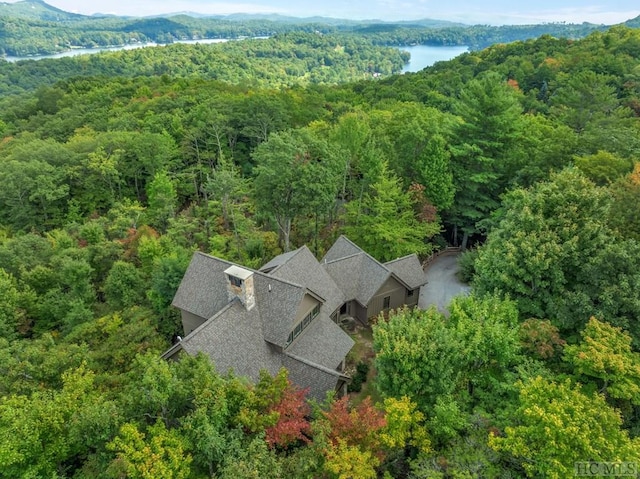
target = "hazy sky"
x: 467, y: 11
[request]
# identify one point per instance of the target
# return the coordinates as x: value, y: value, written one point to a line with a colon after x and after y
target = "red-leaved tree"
x: 292, y: 425
x: 358, y: 426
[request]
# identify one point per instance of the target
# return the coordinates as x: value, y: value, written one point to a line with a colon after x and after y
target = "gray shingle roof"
x: 323, y: 343
x: 318, y: 380
x: 278, y: 261
x: 203, y: 289
x: 248, y: 341
x: 303, y: 268
x: 360, y: 276
x: 409, y: 270
x: 233, y: 340
x: 278, y: 302
x: 342, y: 248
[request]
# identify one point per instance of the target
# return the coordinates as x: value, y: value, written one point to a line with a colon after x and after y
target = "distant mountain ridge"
x: 40, y: 10
x: 37, y: 10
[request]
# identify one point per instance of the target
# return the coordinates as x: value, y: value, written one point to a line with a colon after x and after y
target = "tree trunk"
x: 465, y: 240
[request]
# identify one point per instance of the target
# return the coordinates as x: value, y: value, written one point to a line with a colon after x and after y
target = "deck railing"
x: 449, y: 250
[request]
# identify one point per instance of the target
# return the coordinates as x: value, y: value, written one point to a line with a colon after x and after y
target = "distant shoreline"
x: 76, y: 50
x: 422, y: 56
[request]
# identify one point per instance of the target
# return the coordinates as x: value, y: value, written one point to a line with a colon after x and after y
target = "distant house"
x: 285, y: 314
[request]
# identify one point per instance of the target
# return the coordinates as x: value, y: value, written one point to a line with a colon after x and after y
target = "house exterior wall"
x: 306, y: 305
x: 359, y: 312
x: 392, y: 289
x: 412, y: 300
x: 190, y: 322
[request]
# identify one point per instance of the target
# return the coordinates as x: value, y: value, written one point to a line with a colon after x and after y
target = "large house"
x: 286, y: 314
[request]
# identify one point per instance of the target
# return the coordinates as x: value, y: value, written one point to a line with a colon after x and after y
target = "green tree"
x: 124, y: 285
x: 158, y: 453
x: 414, y: 138
x: 251, y: 460
x: 603, y: 167
x: 352, y: 133
x: 297, y: 174
x: 33, y: 195
x: 384, y: 223
x: 11, y: 314
x: 415, y: 357
x: 538, y: 252
x: 45, y: 433
x: 228, y: 188
x: 449, y: 365
x: 436, y: 175
x: 556, y: 425
x: 605, y: 353
x: 485, y: 330
x: 162, y: 199
x: 584, y: 98
x: 486, y: 152
x: 624, y: 217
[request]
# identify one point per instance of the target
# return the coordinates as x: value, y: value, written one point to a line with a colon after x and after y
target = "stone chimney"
x: 240, y: 285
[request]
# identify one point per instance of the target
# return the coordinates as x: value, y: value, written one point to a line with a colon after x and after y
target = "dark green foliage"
x: 123, y: 286
x: 360, y: 376
x: 554, y: 253
x: 466, y: 263
x: 110, y: 182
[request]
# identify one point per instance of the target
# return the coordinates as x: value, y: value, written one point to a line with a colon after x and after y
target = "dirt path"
x: 442, y: 283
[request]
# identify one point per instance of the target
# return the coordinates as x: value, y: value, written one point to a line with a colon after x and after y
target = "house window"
x: 235, y: 281
x: 409, y: 293
x: 386, y: 302
x: 302, y: 325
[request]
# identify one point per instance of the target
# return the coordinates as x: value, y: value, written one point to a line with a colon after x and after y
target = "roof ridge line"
x: 254, y: 271
x: 316, y: 365
x: 276, y: 268
x: 343, y: 257
x: 212, y: 318
x: 400, y: 258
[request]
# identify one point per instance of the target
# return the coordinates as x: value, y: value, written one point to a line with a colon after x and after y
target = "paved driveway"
x: 442, y: 283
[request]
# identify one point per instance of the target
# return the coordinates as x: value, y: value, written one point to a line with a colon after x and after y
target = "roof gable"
x: 278, y: 261
x: 203, y: 292
x: 203, y: 288
x: 342, y: 248
x: 359, y: 276
x: 323, y: 343
x: 303, y: 268
x: 278, y: 302
x: 409, y: 270
x: 233, y: 340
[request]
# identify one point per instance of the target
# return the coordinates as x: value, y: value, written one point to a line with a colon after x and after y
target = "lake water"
x: 423, y: 56
x: 88, y: 51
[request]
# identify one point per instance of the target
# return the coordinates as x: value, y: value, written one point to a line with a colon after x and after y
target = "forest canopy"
x: 117, y: 167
